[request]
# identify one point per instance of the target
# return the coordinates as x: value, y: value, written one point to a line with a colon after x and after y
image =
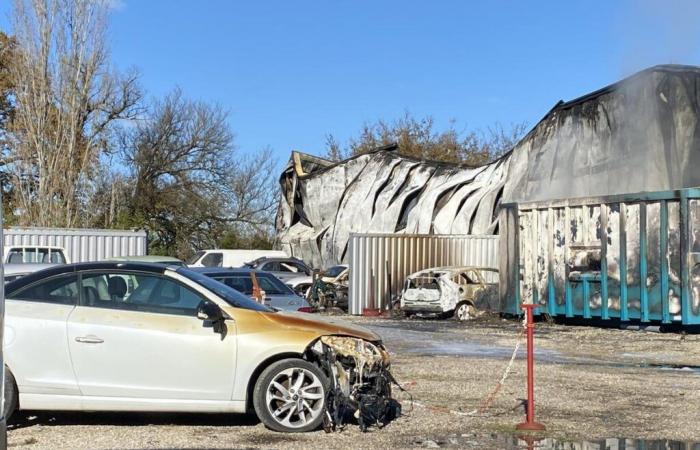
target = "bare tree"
x: 252, y: 192
x: 418, y: 138
x: 7, y: 51
x: 67, y: 104
x: 109, y: 199
x: 189, y: 185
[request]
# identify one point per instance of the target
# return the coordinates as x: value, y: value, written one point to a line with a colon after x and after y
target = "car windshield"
x: 334, y: 271
x: 230, y: 295
x: 194, y: 258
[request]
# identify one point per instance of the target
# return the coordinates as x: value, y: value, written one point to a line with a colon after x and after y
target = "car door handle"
x: 89, y: 339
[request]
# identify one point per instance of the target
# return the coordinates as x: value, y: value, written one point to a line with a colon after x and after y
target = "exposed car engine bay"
x: 360, y: 382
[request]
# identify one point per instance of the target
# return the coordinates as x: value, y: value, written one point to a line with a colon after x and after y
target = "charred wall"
x: 381, y: 192
x: 639, y: 135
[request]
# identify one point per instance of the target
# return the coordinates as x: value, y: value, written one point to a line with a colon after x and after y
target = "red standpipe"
x: 530, y: 424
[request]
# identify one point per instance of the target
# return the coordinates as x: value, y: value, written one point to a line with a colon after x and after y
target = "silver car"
x: 261, y: 286
x: 283, y: 268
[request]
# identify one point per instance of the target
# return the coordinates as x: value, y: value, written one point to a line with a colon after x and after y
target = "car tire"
x: 290, y: 396
x: 11, y: 394
x: 464, y: 311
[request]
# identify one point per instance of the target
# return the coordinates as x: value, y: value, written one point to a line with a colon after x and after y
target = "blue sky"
x: 292, y: 72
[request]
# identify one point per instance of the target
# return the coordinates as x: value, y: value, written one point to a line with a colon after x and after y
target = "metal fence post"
x: 530, y: 424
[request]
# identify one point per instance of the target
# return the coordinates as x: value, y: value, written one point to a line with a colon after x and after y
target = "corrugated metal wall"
x: 376, y: 260
x: 81, y: 244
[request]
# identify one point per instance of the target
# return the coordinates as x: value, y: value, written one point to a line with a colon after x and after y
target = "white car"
x: 113, y: 336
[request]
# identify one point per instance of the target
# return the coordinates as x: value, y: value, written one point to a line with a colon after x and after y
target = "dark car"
x: 283, y: 268
x: 261, y: 286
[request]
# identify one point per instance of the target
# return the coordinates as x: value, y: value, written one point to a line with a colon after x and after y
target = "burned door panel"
x: 542, y: 263
x: 674, y: 258
x: 633, y: 260
x: 613, y: 258
x: 694, y: 257
x: 527, y: 255
x: 560, y: 271
x: 653, y: 260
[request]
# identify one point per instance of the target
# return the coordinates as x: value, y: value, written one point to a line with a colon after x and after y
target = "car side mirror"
x: 209, y: 311
x: 213, y: 317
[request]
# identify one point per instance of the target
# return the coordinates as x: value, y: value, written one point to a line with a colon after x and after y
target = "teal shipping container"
x: 629, y: 257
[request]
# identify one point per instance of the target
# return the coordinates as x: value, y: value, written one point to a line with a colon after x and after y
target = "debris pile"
x: 360, y: 383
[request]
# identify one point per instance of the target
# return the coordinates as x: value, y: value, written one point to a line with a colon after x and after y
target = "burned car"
x: 125, y: 336
x: 449, y: 291
x: 330, y: 289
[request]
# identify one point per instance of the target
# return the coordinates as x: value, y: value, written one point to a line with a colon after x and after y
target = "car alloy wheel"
x: 464, y: 311
x: 290, y: 396
x: 295, y: 397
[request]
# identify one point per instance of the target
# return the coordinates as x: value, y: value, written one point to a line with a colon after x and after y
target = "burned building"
x: 600, y: 214
x: 381, y: 192
x: 595, y: 206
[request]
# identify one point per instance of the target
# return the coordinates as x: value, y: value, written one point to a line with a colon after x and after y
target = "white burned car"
x: 125, y: 336
x: 449, y: 291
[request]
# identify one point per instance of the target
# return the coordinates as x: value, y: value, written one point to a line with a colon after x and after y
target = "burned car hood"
x: 321, y: 325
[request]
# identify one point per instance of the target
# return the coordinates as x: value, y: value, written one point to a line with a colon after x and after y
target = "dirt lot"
x: 592, y: 384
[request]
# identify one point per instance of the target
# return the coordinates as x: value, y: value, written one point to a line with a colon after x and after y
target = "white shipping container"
x: 81, y: 244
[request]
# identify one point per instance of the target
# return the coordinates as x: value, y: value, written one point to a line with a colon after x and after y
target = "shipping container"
x: 380, y: 263
x: 80, y: 244
x: 623, y: 257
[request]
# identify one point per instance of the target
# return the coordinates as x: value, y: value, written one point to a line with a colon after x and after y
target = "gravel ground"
x: 592, y: 384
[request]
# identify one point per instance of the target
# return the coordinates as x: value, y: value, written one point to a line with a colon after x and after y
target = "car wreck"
x: 330, y: 290
x: 359, y: 382
x: 460, y: 292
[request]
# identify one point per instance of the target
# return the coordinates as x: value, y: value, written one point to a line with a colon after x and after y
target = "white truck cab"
x: 230, y: 258
x: 35, y: 254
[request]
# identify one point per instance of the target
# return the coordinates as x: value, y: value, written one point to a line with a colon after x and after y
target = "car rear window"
x: 24, y: 255
x: 61, y: 290
x: 272, y: 285
x: 227, y: 293
x: 241, y: 283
